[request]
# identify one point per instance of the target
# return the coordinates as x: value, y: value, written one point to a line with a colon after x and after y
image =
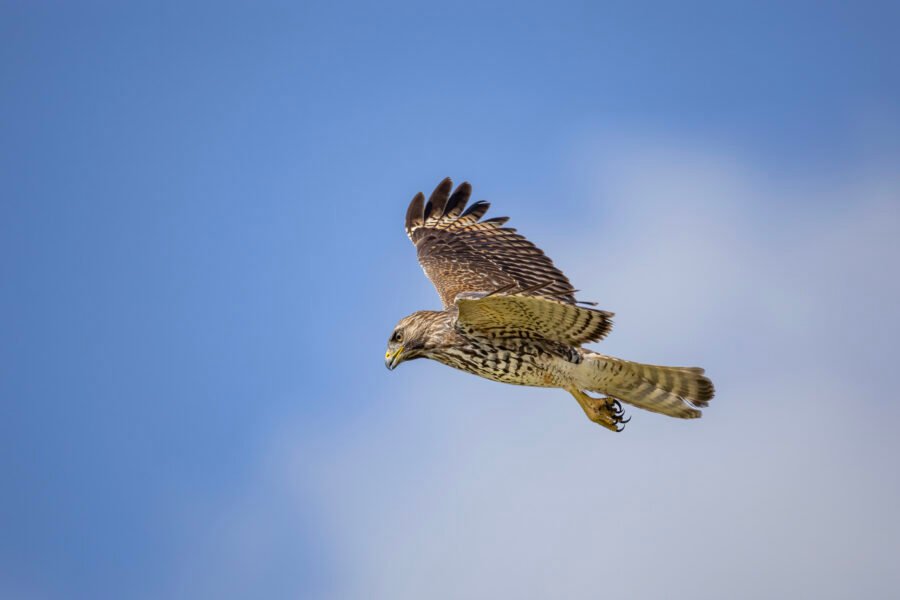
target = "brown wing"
x: 461, y: 253
x: 516, y: 315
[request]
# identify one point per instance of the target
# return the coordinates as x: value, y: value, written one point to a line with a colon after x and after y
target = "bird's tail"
x: 675, y: 391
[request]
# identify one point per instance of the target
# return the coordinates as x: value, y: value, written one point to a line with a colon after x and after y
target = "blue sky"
x: 202, y: 256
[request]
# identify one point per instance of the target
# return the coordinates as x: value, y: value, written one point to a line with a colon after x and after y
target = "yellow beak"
x: 392, y: 359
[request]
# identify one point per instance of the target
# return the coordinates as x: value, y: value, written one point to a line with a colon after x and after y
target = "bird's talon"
x: 606, y: 411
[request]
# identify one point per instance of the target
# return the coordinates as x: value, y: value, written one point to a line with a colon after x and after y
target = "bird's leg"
x: 603, y: 411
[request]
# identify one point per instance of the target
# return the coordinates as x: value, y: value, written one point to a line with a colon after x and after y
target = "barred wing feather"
x: 461, y: 253
x: 516, y: 315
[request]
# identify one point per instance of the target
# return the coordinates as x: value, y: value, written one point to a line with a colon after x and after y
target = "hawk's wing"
x: 460, y: 253
x: 515, y: 315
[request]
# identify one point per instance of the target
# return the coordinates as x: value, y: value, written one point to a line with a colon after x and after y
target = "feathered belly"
x: 538, y: 363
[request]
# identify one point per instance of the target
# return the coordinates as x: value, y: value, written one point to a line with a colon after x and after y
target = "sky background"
x: 202, y: 257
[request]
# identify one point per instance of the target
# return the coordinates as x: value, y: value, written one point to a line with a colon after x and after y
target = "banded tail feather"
x: 675, y: 391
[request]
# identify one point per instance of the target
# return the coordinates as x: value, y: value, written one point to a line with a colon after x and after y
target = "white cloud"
x: 784, y: 290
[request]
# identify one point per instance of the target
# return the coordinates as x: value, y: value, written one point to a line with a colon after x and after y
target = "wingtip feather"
x: 434, y: 208
x: 415, y: 216
x: 458, y: 200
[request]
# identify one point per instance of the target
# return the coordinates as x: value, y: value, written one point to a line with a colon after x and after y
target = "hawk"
x: 510, y: 315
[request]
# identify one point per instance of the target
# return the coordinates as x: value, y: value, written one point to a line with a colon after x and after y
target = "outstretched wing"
x: 461, y: 253
x: 517, y: 315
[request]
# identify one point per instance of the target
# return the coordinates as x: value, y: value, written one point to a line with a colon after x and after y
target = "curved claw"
x: 618, y: 415
x: 605, y: 411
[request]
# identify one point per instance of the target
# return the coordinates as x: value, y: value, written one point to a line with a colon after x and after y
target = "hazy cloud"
x: 785, y: 290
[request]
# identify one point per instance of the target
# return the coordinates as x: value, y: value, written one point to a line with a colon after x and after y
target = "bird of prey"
x: 510, y: 315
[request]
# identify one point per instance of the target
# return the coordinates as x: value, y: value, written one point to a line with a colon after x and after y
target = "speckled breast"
x: 539, y: 363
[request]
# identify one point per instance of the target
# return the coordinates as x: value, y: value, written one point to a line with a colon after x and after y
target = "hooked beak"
x: 392, y: 358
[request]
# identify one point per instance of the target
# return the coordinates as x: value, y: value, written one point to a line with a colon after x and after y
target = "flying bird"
x: 511, y: 316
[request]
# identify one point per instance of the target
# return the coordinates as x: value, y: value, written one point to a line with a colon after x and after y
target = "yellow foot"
x: 602, y: 411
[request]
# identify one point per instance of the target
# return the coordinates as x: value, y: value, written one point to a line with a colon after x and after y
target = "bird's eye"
x: 398, y: 337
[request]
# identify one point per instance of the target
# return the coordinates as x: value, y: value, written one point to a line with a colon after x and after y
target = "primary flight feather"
x: 510, y: 315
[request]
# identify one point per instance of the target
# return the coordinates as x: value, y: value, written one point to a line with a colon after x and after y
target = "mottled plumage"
x: 510, y: 315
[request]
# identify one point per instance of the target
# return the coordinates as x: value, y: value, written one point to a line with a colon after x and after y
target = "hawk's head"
x: 415, y: 336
